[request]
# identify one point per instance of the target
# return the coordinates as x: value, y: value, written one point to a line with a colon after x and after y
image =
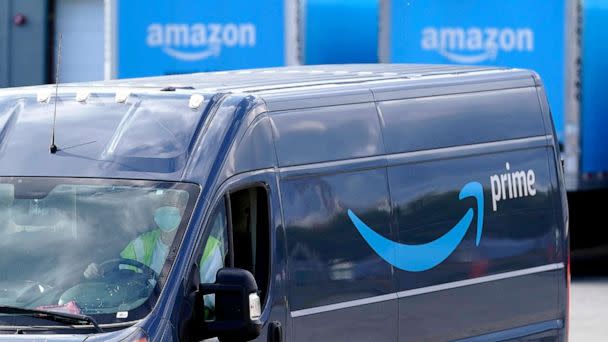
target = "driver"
x: 151, y: 248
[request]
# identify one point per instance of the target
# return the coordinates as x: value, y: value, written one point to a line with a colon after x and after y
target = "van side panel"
x: 340, y: 290
x: 517, y: 244
x: 327, y: 134
x: 430, y: 216
x: 462, y: 119
x: 472, y: 189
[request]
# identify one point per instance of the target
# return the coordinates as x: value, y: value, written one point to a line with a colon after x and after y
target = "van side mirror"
x: 237, y: 306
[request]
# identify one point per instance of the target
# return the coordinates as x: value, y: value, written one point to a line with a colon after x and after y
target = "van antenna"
x: 53, y: 147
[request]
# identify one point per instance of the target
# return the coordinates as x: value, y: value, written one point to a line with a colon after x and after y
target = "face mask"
x: 167, y: 218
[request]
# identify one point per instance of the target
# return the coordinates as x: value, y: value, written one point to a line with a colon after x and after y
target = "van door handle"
x: 275, y: 332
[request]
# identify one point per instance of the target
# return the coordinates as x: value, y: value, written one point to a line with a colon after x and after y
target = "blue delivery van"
x: 338, y: 203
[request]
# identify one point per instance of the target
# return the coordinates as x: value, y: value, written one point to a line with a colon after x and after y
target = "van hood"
x: 114, y: 336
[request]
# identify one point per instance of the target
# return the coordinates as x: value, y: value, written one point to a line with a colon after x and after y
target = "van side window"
x: 251, y: 240
x: 214, y: 254
x: 250, y: 226
x: 216, y: 247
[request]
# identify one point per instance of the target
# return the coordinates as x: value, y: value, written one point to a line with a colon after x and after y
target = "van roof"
x: 154, y: 133
x: 255, y: 80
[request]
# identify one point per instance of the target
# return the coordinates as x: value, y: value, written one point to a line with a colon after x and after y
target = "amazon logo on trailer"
x: 475, y: 44
x: 199, y: 41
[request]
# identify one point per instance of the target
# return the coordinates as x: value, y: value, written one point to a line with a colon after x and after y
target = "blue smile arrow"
x: 417, y: 258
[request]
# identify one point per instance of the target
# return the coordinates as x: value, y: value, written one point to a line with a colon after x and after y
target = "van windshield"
x: 88, y: 246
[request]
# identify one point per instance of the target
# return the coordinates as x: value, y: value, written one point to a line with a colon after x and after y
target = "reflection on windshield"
x: 94, y: 247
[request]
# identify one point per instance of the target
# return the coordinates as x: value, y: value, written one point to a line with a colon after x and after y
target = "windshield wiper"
x: 61, y: 317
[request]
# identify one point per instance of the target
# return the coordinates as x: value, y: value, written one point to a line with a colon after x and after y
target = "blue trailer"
x: 594, y: 158
x: 556, y: 38
x: 155, y: 37
x: 354, y: 21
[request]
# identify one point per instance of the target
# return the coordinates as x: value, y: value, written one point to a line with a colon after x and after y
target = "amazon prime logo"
x: 511, y: 185
x: 423, y: 257
x: 475, y: 45
x: 199, y: 41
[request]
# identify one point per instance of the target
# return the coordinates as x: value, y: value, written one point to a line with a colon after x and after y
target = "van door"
x: 245, y: 232
x: 339, y: 289
x: 501, y: 272
x: 472, y: 200
x: 331, y: 164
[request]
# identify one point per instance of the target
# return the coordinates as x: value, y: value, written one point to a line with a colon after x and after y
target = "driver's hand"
x: 92, y: 271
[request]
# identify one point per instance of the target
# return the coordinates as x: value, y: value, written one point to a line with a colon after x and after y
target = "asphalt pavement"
x: 589, y: 309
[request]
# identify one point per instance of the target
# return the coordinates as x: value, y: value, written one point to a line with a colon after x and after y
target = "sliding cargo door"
x: 475, y: 266
x: 340, y: 290
x: 472, y: 202
x: 332, y: 168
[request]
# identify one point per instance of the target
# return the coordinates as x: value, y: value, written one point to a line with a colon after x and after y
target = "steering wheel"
x: 117, y: 285
x: 113, y: 266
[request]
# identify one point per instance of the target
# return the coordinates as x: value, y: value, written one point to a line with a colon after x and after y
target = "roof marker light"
x: 196, y: 101
x: 43, y: 95
x: 122, y: 96
x: 82, y: 95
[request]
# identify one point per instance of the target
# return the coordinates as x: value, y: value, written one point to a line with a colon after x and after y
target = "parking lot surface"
x: 589, y: 309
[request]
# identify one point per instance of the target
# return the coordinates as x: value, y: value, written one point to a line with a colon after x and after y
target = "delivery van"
x: 321, y: 203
